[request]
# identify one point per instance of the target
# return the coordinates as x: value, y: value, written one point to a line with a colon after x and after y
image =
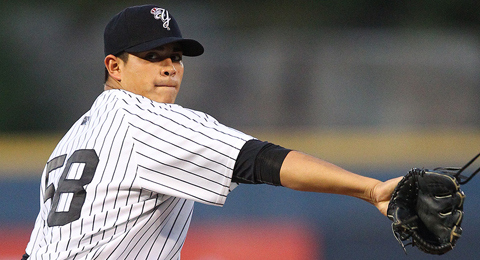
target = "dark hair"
x: 123, y: 56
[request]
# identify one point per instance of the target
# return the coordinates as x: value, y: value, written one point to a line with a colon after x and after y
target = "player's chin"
x: 165, y: 95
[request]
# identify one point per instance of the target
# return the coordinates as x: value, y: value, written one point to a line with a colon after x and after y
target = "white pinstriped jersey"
x: 122, y: 182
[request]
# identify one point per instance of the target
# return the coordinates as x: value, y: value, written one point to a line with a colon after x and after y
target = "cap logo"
x: 161, y: 14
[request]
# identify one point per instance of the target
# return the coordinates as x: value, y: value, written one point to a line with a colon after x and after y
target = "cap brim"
x: 189, y: 47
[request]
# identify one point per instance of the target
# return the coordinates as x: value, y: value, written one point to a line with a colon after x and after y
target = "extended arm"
x: 263, y: 162
x: 306, y: 173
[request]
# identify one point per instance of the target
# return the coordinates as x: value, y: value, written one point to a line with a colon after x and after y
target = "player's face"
x: 156, y: 74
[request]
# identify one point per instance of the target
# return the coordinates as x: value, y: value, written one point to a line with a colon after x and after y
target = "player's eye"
x: 155, y: 57
x: 152, y: 56
x: 176, y: 57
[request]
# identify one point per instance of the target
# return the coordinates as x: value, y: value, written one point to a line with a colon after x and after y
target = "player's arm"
x: 306, y: 173
x: 263, y: 162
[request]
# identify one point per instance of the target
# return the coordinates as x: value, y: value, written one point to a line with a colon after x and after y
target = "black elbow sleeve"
x: 259, y: 163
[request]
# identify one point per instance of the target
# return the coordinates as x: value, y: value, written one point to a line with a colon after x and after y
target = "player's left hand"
x: 382, y: 193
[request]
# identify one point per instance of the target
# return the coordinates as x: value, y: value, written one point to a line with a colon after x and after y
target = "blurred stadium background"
x: 377, y: 87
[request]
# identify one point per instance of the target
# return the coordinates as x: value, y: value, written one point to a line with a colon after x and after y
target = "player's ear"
x: 112, y: 64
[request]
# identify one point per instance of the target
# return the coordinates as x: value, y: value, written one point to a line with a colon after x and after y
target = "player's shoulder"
x: 135, y: 104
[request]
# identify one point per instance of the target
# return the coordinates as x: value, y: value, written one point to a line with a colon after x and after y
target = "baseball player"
x: 122, y: 182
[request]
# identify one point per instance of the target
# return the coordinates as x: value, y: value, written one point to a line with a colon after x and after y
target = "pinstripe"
x: 123, y: 239
x: 163, y: 140
x: 191, y: 129
x: 187, y: 128
x: 139, y: 235
x: 139, y: 201
x: 180, y: 159
x: 123, y: 179
x: 184, y: 230
x: 181, y: 169
x: 168, y: 236
x: 100, y: 151
x: 150, y: 237
x: 116, y: 164
x: 186, y: 193
x: 208, y: 118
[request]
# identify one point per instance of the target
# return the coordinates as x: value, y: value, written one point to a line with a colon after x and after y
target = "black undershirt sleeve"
x: 259, y: 163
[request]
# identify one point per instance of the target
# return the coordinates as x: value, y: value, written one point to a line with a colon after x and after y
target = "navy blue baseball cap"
x: 145, y: 27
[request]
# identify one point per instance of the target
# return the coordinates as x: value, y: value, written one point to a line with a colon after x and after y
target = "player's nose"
x: 168, y: 69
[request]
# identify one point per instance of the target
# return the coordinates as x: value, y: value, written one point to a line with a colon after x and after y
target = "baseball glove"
x: 427, y: 208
